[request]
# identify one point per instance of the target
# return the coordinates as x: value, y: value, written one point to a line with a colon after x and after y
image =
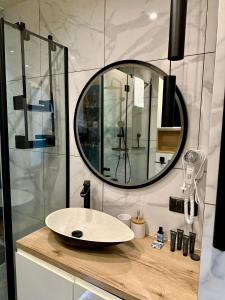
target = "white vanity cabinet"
x: 38, y: 280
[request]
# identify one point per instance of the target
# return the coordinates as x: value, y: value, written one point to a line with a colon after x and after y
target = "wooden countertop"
x: 132, y: 271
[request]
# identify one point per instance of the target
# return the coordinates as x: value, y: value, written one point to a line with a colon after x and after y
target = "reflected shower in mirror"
x: 120, y: 125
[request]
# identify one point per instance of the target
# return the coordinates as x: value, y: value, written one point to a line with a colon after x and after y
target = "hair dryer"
x: 193, y: 162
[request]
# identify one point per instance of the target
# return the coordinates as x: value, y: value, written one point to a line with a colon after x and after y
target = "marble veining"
x: 79, y: 25
x: 132, y: 32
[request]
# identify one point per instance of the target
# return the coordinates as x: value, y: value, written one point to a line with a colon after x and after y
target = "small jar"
x: 138, y: 227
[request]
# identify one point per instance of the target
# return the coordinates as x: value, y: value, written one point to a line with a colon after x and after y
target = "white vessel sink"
x: 90, y: 228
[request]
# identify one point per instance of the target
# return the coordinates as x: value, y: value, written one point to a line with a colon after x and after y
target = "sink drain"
x: 77, y: 233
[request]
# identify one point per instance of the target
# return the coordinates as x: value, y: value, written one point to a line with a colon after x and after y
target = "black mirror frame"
x: 182, y: 143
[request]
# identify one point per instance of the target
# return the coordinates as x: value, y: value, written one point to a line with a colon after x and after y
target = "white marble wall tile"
x: 12, y: 54
x: 212, y: 276
x: 59, y: 112
x: 26, y: 173
x: 57, y: 59
x: 208, y: 79
x: 54, y: 182
x: 15, y: 118
x: 80, y: 26
x: 32, y: 52
x: 216, y: 110
x: 189, y: 74
x: 77, y: 81
x: 26, y: 11
x: 212, y: 17
x: 153, y: 201
x: 78, y: 173
x: 162, y: 64
x: 195, y: 26
x: 132, y: 34
x: 23, y: 224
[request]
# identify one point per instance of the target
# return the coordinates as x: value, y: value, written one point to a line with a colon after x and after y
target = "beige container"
x: 125, y: 218
x: 138, y: 227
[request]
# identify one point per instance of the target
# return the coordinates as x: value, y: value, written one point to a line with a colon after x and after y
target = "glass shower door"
x: 34, y: 138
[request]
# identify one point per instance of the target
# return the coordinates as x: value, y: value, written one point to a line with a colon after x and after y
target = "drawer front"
x: 36, y: 282
x: 86, y: 291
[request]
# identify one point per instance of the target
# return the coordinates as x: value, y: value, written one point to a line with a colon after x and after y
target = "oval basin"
x: 83, y: 227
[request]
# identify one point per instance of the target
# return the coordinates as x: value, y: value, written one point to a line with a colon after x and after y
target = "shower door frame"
x: 4, y: 144
x: 6, y: 189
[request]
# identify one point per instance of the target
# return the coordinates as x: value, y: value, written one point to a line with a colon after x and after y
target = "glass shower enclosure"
x: 34, y: 138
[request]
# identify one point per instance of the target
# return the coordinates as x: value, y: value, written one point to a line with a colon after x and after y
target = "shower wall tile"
x: 37, y: 89
x: 162, y: 64
x: 216, y: 111
x: 26, y: 11
x: 212, y: 16
x: 77, y: 81
x: 153, y: 201
x: 54, y: 182
x: 212, y: 272
x: 195, y: 26
x: 15, y: 118
x: 57, y: 59
x: 32, y: 52
x: 59, y: 112
x: 24, y: 224
x: 80, y: 26
x: 207, y: 92
x: 140, y: 29
x: 26, y: 171
x: 189, y: 74
x: 78, y: 173
x: 130, y: 32
x: 12, y: 54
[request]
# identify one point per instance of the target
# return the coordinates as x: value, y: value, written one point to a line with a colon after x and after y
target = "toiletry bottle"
x: 160, y: 235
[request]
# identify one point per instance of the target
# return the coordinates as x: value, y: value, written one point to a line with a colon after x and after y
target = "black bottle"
x: 160, y: 235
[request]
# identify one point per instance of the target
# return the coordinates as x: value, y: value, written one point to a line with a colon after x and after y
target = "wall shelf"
x: 20, y: 103
x: 41, y: 141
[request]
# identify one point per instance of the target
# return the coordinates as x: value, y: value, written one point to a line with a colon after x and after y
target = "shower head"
x: 120, y: 124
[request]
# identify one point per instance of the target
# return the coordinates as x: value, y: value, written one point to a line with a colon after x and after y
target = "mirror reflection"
x: 122, y: 126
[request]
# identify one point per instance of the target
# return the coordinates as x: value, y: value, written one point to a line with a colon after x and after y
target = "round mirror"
x: 128, y: 131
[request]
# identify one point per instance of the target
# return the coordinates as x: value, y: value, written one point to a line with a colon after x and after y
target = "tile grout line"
x: 104, y: 29
x: 203, y: 77
x: 98, y: 68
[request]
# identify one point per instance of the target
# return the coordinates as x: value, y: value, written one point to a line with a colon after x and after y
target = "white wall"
x: 99, y: 32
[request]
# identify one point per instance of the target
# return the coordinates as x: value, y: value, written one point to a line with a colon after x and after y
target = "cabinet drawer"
x: 39, y: 281
x: 86, y: 291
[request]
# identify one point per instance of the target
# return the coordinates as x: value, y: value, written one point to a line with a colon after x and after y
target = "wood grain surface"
x: 133, y: 270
